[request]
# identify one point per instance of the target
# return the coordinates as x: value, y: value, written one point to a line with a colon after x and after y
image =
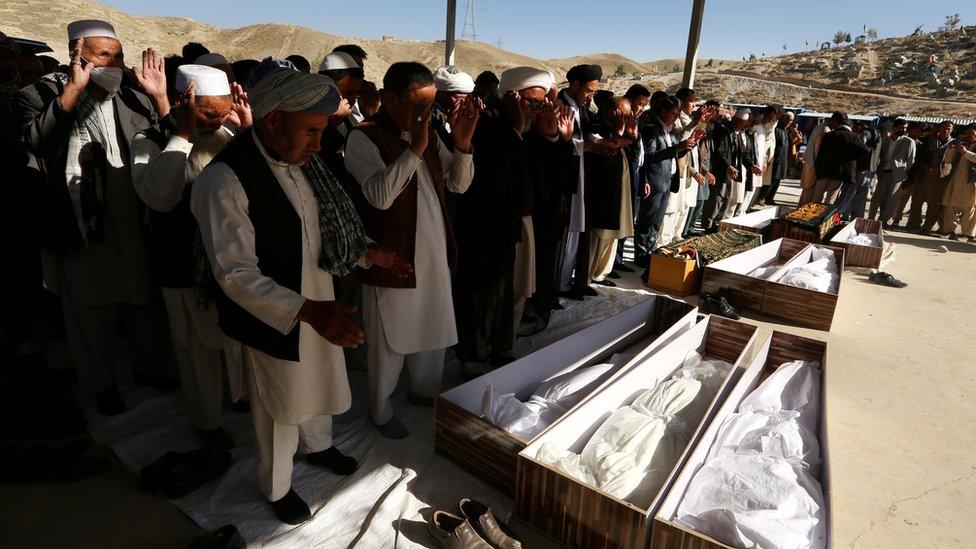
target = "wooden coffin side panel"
x: 744, y: 291
x: 782, y: 229
x: 668, y: 535
x: 804, y: 307
x: 727, y: 339
x: 572, y: 512
x: 857, y: 255
x: 476, y: 445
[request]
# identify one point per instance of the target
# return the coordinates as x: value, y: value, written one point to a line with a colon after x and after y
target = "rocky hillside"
x: 929, y: 74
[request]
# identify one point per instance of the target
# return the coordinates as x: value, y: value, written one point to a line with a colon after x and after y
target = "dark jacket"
x: 46, y: 128
x: 658, y: 156
x: 839, y: 152
x: 781, y: 158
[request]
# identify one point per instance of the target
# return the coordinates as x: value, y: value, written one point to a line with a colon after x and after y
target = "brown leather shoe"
x: 483, y: 520
x: 453, y: 532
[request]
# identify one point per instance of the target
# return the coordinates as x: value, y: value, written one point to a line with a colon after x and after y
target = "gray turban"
x: 294, y: 91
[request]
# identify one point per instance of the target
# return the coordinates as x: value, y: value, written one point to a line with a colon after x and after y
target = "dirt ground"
x: 902, y: 381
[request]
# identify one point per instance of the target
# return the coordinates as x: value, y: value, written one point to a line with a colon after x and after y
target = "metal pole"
x: 449, y: 38
x: 694, y: 35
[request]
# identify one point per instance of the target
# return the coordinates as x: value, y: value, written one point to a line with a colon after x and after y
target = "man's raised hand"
x: 467, y: 120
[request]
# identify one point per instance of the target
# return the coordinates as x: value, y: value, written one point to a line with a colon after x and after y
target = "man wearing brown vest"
x: 404, y: 171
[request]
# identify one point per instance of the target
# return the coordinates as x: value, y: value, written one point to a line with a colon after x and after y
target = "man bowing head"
x: 277, y: 226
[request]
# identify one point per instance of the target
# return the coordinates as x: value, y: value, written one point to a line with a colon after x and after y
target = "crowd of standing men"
x: 240, y: 215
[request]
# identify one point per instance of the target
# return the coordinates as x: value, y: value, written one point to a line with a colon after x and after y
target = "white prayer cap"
x: 791, y: 115
x: 90, y: 28
x: 338, y: 60
x: 520, y: 78
x: 742, y: 114
x: 451, y: 79
x: 211, y: 60
x: 209, y: 81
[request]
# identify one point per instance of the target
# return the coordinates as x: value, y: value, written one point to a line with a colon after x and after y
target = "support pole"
x: 694, y: 35
x: 449, y: 37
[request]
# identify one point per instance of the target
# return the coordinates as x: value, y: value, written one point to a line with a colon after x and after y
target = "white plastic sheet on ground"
x: 384, y: 504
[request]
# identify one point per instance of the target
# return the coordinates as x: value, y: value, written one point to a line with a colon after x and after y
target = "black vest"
x: 171, y: 233
x: 277, y: 244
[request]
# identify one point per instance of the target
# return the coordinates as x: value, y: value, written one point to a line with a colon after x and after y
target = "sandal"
x: 885, y: 279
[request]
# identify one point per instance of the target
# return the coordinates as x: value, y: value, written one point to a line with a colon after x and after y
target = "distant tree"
x: 839, y: 37
x: 872, y: 33
x: 952, y: 21
x: 621, y: 71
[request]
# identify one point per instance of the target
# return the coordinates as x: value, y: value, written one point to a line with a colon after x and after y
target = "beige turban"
x: 294, y: 91
x: 520, y: 78
x: 451, y: 79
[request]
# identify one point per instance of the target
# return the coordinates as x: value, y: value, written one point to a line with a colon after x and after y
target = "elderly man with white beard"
x: 277, y: 226
x: 166, y: 159
x: 80, y: 123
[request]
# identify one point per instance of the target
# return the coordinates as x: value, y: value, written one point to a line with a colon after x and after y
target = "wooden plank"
x: 476, y: 445
x: 857, y: 255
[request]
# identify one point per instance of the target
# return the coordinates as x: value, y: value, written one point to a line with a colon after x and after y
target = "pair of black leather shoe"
x: 717, y: 305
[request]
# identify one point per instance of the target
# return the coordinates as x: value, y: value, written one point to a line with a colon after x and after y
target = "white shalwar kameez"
x: 160, y: 177
x: 292, y: 403
x: 409, y: 325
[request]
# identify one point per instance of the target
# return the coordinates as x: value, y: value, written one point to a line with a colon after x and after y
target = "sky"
x: 643, y: 30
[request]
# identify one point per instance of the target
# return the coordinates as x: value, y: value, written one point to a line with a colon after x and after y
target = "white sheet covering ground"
x: 384, y: 504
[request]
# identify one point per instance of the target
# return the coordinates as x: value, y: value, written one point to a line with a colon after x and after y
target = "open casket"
x: 580, y: 514
x: 861, y: 255
x: 464, y: 435
x: 735, y: 278
x: 671, y: 533
x: 809, y: 223
x: 759, y: 221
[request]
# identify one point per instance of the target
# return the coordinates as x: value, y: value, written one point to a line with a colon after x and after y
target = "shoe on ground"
x: 450, y: 531
x: 291, y: 509
x: 334, y: 460
x: 614, y: 275
x: 572, y: 295
x: 590, y: 292
x: 717, y: 306
x: 216, y: 439
x: 971, y: 240
x: 157, y: 381
x: 480, y: 517
x: 420, y: 400
x: 623, y: 268
x: 393, y: 429
x: 109, y: 403
x: 607, y: 283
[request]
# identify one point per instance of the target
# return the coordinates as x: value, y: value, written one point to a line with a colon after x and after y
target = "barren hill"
x: 930, y: 74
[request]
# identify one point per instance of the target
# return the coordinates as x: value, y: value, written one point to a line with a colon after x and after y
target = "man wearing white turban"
x: 166, y: 159
x: 494, y: 229
x: 453, y: 86
x: 81, y: 124
x: 404, y: 171
x: 276, y: 226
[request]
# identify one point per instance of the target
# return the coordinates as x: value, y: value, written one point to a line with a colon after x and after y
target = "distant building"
x: 389, y: 38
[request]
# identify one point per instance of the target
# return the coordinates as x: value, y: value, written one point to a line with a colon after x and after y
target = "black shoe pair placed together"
x: 884, y: 279
x: 717, y: 305
x: 292, y: 509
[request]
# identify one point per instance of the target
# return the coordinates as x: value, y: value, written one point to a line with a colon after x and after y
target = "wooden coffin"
x: 488, y: 451
x: 803, y: 307
x: 673, y: 276
x: 774, y: 351
x: 730, y: 277
x: 814, y: 231
x: 581, y: 515
x: 857, y: 255
x: 758, y: 222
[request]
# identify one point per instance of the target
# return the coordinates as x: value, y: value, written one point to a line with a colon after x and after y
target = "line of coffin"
x: 774, y: 350
x: 490, y: 452
x: 581, y: 515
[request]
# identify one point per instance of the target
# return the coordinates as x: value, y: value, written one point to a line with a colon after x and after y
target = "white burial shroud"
x: 631, y: 454
x: 757, y: 487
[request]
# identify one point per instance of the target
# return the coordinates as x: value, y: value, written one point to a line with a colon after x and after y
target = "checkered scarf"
x: 343, y: 236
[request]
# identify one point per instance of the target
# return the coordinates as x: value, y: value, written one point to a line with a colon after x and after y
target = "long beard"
x: 205, y: 148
